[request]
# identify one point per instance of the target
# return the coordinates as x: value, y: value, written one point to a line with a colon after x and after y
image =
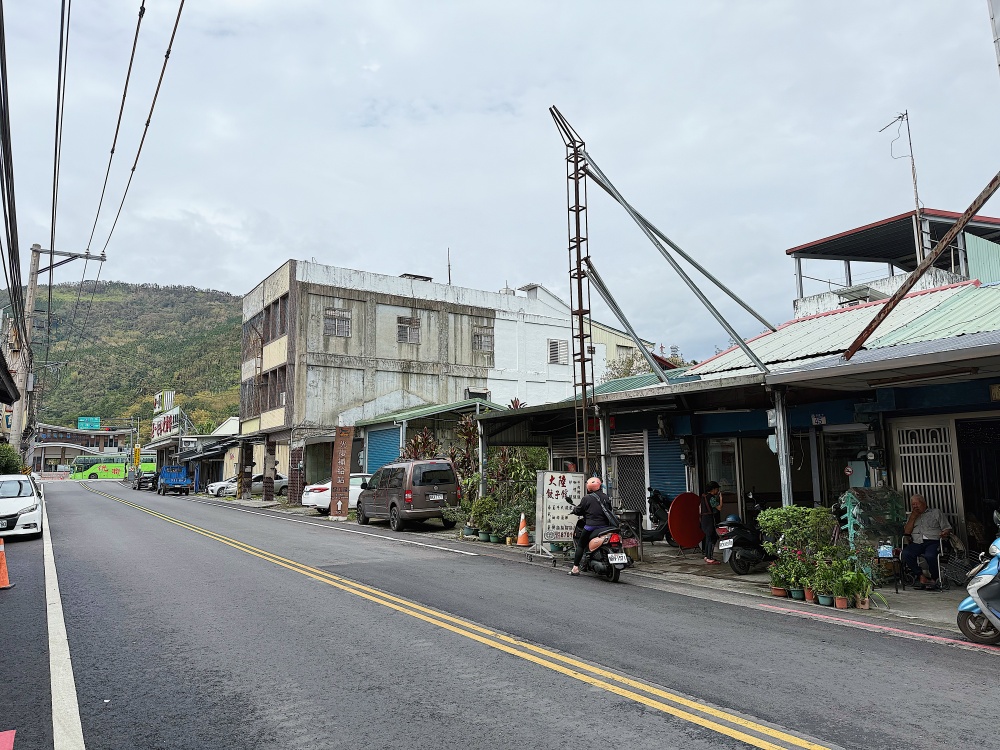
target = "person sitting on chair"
x: 926, y: 528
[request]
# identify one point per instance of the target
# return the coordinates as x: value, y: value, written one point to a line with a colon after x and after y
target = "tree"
x: 10, y: 461
x: 626, y: 366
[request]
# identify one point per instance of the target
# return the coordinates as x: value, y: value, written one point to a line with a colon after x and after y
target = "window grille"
x: 337, y: 322
x: 482, y: 338
x: 408, y: 330
x: 558, y: 352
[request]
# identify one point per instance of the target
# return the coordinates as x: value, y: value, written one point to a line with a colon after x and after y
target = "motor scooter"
x: 658, y: 507
x: 605, y: 555
x: 979, y: 613
x: 741, y: 543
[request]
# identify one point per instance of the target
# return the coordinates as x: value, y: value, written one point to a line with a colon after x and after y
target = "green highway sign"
x: 88, y: 423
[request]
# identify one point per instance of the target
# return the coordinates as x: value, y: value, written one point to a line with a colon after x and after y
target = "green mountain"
x: 112, y: 348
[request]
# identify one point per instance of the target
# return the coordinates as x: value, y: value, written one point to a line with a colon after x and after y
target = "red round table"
x: 684, y: 520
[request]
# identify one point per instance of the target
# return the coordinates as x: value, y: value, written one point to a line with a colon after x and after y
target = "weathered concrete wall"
x: 818, y: 303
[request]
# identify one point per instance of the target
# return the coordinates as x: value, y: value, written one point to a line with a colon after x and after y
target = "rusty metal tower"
x: 579, y: 291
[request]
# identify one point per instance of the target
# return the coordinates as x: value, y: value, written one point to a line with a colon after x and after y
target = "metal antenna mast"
x: 579, y: 287
x: 995, y: 26
x: 922, y: 232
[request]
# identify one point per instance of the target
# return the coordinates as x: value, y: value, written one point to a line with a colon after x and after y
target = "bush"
x: 10, y: 460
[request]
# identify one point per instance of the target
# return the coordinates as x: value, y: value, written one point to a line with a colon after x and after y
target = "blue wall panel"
x: 383, y: 448
x: 666, y: 472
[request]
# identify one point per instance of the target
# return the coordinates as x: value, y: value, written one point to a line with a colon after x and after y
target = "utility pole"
x: 20, y: 410
x: 21, y: 415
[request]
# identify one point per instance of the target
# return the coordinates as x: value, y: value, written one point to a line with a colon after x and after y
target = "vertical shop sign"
x: 340, y: 476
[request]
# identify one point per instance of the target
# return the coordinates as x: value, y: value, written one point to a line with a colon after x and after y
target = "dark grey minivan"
x: 410, y: 491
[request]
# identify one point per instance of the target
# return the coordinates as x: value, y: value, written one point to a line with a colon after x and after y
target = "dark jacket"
x: 590, y: 508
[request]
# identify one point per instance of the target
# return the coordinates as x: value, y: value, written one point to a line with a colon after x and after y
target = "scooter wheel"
x: 740, y: 565
x: 977, y: 628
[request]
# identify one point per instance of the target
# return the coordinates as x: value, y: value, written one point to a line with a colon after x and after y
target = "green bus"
x: 109, y: 466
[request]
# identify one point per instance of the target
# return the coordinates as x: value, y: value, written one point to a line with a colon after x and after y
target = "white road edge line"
x: 336, y: 528
x: 67, y: 732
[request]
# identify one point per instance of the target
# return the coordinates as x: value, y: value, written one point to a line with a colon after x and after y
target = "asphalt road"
x: 198, y: 625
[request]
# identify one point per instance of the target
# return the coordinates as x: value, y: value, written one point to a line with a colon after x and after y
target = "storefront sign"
x: 88, y: 423
x: 163, y: 401
x: 995, y: 392
x: 558, y: 492
x: 340, y: 482
x: 167, y: 424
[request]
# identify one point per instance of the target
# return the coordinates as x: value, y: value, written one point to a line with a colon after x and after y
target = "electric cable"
x: 107, y: 173
x: 149, y: 118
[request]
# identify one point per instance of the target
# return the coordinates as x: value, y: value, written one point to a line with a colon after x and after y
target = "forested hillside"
x: 133, y: 340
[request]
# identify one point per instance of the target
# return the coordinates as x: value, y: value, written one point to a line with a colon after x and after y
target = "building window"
x: 482, y: 338
x: 625, y: 352
x: 337, y: 322
x: 408, y: 330
x: 558, y: 352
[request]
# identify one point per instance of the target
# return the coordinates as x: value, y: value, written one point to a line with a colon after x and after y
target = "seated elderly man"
x: 926, y: 527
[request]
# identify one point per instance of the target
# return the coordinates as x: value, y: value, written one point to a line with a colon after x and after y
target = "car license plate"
x: 435, y: 496
x: 3, y: 524
x: 726, y: 544
x: 616, y: 558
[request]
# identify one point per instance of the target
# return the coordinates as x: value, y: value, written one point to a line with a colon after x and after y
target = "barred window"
x: 482, y: 338
x: 558, y: 352
x: 408, y: 330
x: 337, y: 322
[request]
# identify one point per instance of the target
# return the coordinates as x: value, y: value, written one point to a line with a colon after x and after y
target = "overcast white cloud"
x: 375, y: 135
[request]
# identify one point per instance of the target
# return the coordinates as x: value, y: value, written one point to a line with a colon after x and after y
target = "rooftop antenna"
x: 449, y: 266
x: 921, y: 227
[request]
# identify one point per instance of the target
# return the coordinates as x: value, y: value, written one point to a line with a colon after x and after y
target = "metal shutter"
x: 629, y: 443
x: 383, y: 448
x: 666, y: 472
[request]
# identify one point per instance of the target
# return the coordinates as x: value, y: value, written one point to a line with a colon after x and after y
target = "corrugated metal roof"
x: 825, y: 334
x: 975, y: 310
x: 429, y: 410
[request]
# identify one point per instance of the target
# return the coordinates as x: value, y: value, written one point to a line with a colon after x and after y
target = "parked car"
x: 215, y: 488
x: 318, y: 495
x: 145, y: 480
x: 410, y: 491
x: 257, y: 486
x: 20, y: 506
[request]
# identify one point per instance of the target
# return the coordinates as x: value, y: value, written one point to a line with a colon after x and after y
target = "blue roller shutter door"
x: 383, y: 448
x: 666, y: 472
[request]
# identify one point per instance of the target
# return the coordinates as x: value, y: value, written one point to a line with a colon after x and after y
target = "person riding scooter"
x: 596, y: 513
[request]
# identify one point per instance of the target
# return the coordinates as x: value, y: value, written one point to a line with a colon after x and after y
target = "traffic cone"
x: 4, y: 580
x: 522, y: 533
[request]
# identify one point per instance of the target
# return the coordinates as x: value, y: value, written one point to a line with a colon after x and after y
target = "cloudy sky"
x: 378, y: 134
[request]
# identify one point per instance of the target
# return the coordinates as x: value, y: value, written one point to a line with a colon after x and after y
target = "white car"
x: 256, y: 486
x: 20, y: 507
x: 318, y: 495
x: 215, y: 488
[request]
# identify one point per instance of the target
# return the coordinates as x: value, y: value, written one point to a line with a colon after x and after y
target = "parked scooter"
x: 979, y: 613
x: 741, y: 543
x: 658, y: 507
x: 606, y: 553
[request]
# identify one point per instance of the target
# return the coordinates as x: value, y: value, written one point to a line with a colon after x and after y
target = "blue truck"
x: 174, y: 479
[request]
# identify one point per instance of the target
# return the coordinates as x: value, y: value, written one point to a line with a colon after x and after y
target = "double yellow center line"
x: 687, y: 709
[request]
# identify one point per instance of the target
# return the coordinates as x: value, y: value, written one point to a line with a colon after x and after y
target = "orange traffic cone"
x: 4, y: 580
x: 522, y: 533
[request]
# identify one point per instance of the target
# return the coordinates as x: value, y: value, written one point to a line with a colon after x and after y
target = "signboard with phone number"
x: 558, y: 492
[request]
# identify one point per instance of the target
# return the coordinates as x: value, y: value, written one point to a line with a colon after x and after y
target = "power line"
x: 11, y: 260
x: 107, y: 173
x: 149, y: 118
x: 64, y: 19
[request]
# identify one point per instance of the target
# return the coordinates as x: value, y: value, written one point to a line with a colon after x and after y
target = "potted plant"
x: 778, y: 571
x: 844, y: 587
x: 798, y: 572
x: 822, y: 583
x: 807, y: 586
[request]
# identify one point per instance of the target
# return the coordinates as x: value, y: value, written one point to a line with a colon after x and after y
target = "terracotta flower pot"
x: 778, y: 591
x: 840, y: 602
x: 863, y: 603
x: 810, y: 595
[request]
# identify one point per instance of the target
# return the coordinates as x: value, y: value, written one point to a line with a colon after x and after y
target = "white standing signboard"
x: 558, y: 492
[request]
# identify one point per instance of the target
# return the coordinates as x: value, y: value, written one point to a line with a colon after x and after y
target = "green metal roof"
x: 971, y: 310
x: 429, y: 410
